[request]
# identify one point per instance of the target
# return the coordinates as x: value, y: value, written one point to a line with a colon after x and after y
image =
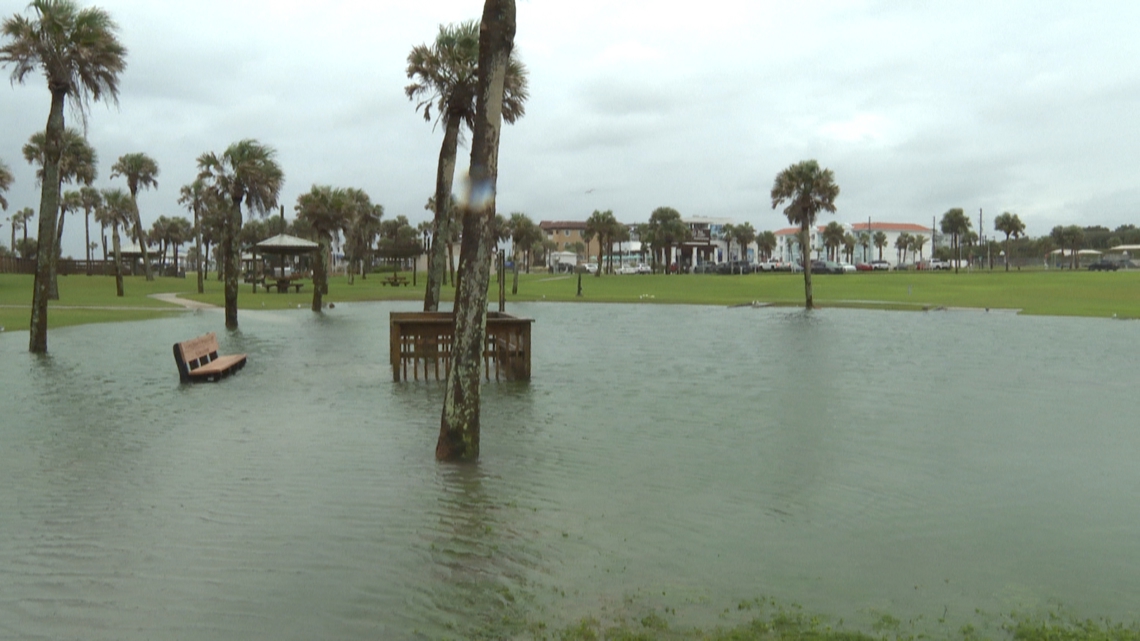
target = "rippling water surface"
x: 852, y: 461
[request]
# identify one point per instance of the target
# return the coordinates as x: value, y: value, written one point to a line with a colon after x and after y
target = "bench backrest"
x: 198, y: 351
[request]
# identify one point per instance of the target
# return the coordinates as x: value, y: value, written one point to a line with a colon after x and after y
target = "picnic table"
x: 283, y: 284
x: 395, y: 280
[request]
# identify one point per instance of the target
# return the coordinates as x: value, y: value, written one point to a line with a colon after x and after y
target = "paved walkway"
x: 188, y: 304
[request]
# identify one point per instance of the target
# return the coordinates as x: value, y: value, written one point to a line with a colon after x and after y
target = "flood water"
x: 855, y: 462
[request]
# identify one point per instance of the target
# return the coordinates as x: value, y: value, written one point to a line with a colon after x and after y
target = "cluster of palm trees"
x: 81, y: 58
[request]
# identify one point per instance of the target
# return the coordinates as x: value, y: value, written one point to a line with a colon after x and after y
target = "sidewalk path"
x: 188, y: 304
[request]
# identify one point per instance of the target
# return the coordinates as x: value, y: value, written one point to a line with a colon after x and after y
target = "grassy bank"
x: 1060, y: 293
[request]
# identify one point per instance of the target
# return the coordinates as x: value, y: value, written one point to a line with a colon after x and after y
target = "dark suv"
x: 1104, y: 266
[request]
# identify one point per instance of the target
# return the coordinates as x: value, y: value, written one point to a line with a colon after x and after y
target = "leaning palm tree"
x: 445, y: 76
x: 140, y: 170
x: 459, y: 423
x: 81, y: 57
x: 246, y: 172
x: 115, y: 211
x: 808, y: 189
x: 1010, y: 225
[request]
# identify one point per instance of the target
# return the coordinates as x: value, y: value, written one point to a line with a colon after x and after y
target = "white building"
x: 787, y: 247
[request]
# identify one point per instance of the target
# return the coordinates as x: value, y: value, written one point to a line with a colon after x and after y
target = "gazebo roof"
x: 286, y: 244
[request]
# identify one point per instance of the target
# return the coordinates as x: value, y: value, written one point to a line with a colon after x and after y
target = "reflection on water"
x: 856, y: 462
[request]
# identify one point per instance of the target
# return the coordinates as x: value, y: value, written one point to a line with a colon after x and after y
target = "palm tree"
x: 880, y: 239
x: 459, y: 423
x: 361, y: 231
x: 326, y: 211
x: 246, y: 172
x: 193, y: 197
x: 140, y: 170
x: 81, y: 58
x: 956, y: 223
x: 726, y: 231
x: 766, y: 243
x: 115, y: 210
x: 445, y: 76
x: 865, y: 243
x: 524, y: 234
x: 20, y: 220
x: 808, y: 189
x: 90, y: 199
x: 600, y: 225
x: 918, y: 241
x: 743, y: 235
x: 849, y: 244
x: 5, y: 184
x: 178, y: 232
x: 833, y: 239
x: 667, y: 229
x: 901, y: 245
x: 1070, y: 236
x: 1010, y: 225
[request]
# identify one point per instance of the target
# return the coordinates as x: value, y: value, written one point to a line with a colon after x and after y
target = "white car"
x: 848, y: 267
x: 627, y: 269
x: 644, y: 269
x: 591, y: 268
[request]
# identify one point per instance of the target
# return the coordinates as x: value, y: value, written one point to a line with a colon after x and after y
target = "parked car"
x: 848, y: 268
x: 704, y: 268
x: 937, y: 263
x: 826, y: 267
x: 627, y: 269
x: 863, y: 267
x: 642, y: 268
x: 591, y: 268
x: 880, y: 265
x: 736, y: 267
x: 1104, y: 266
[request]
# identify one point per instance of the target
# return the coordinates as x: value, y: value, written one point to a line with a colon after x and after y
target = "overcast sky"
x: 917, y: 106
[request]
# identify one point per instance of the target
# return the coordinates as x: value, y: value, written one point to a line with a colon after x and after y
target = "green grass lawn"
x: 91, y: 299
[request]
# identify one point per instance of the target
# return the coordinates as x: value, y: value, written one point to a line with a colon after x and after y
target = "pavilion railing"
x: 423, y: 341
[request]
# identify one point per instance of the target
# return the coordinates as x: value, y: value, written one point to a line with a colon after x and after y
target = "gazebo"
x: 283, y: 245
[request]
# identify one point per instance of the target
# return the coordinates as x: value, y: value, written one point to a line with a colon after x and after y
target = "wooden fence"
x: 64, y: 267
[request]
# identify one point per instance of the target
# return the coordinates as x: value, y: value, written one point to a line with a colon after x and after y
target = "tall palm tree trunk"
x: 49, y: 205
x: 87, y: 236
x: 53, y: 287
x: 198, y: 253
x: 118, y: 260
x: 320, y: 272
x: 459, y: 424
x: 515, y: 284
x: 140, y: 236
x: 231, y: 255
x: 809, y: 302
x: 441, y: 226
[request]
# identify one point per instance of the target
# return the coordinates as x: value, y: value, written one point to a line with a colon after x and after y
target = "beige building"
x: 565, y: 233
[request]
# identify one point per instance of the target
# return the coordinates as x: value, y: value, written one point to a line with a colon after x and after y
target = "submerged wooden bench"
x: 198, y: 360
